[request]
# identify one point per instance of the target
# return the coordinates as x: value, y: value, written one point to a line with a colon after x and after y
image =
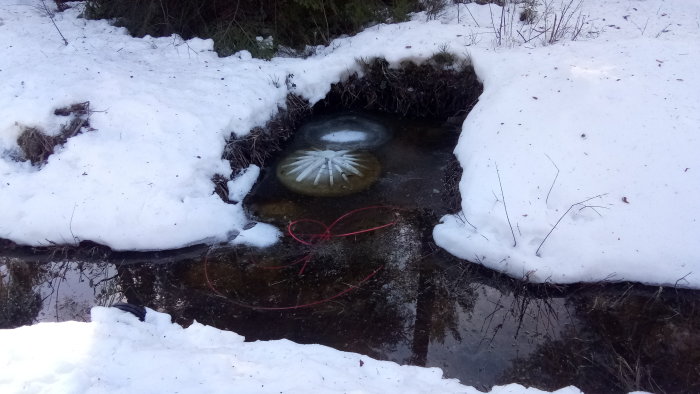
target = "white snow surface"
x: 239, y: 186
x: 615, y: 114
x: 116, y: 353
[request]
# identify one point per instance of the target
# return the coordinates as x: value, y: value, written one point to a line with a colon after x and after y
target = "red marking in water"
x: 310, y: 239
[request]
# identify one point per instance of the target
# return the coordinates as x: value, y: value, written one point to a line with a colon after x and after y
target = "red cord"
x: 327, y: 230
x: 313, y: 238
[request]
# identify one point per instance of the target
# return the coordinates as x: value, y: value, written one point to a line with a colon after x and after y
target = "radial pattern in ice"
x: 328, y: 172
x: 325, y: 166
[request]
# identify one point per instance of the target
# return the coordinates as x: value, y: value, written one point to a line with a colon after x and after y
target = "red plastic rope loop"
x: 303, y: 259
x: 327, y: 230
x: 311, y: 239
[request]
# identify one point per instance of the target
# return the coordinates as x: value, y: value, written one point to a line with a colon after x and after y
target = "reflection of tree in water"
x: 70, y: 288
x: 19, y: 304
x: 627, y: 338
x: 376, y: 318
x: 441, y: 297
x: 361, y: 319
x: 420, y: 305
x: 534, y: 310
x: 54, y: 291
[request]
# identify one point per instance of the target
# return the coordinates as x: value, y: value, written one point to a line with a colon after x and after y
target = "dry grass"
x: 443, y: 88
x: 37, y: 146
x: 262, y: 142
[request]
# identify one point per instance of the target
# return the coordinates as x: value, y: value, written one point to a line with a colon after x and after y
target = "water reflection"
x: 479, y: 327
x: 628, y: 337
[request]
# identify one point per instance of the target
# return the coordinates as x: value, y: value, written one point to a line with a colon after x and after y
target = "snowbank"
x: 612, y: 123
x: 116, y: 353
x: 611, y: 119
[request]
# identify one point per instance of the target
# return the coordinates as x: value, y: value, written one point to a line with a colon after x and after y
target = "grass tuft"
x: 421, y: 91
x: 37, y: 146
x: 240, y: 25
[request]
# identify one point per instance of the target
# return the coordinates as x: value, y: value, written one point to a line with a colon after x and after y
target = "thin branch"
x: 546, y: 201
x: 537, y: 252
x: 49, y: 13
x: 675, y: 285
x: 70, y: 226
x: 470, y: 14
x: 664, y: 30
x: 515, y: 243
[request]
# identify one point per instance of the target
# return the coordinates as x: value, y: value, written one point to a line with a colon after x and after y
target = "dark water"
x: 388, y: 293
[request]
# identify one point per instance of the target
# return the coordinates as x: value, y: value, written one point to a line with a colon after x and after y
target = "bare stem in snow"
x: 682, y: 279
x: 70, y: 226
x: 555, y: 178
x: 583, y: 206
x: 503, y: 197
x: 49, y: 13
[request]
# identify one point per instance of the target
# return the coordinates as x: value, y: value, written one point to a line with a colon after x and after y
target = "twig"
x: 462, y: 216
x: 50, y: 15
x: 70, y: 226
x: 546, y: 201
x: 537, y: 252
x: 675, y: 285
x: 470, y: 14
x: 662, y: 31
x: 493, y: 26
x: 515, y: 243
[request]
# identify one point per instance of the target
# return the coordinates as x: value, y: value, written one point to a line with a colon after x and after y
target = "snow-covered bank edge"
x: 578, y: 158
x: 116, y: 353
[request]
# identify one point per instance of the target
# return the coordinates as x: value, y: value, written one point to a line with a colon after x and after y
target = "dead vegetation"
x: 37, y: 146
x: 236, y: 25
x: 443, y: 88
x: 451, y: 178
x: 18, y: 302
x: 262, y: 142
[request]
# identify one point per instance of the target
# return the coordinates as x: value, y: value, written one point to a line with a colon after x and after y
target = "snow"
x: 610, y: 119
x: 613, y: 119
x: 116, y: 353
x: 240, y: 185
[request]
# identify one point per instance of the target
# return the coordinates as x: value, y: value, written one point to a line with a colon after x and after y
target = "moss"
x: 235, y: 25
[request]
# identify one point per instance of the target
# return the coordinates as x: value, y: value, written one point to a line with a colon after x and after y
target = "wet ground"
x: 377, y: 285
